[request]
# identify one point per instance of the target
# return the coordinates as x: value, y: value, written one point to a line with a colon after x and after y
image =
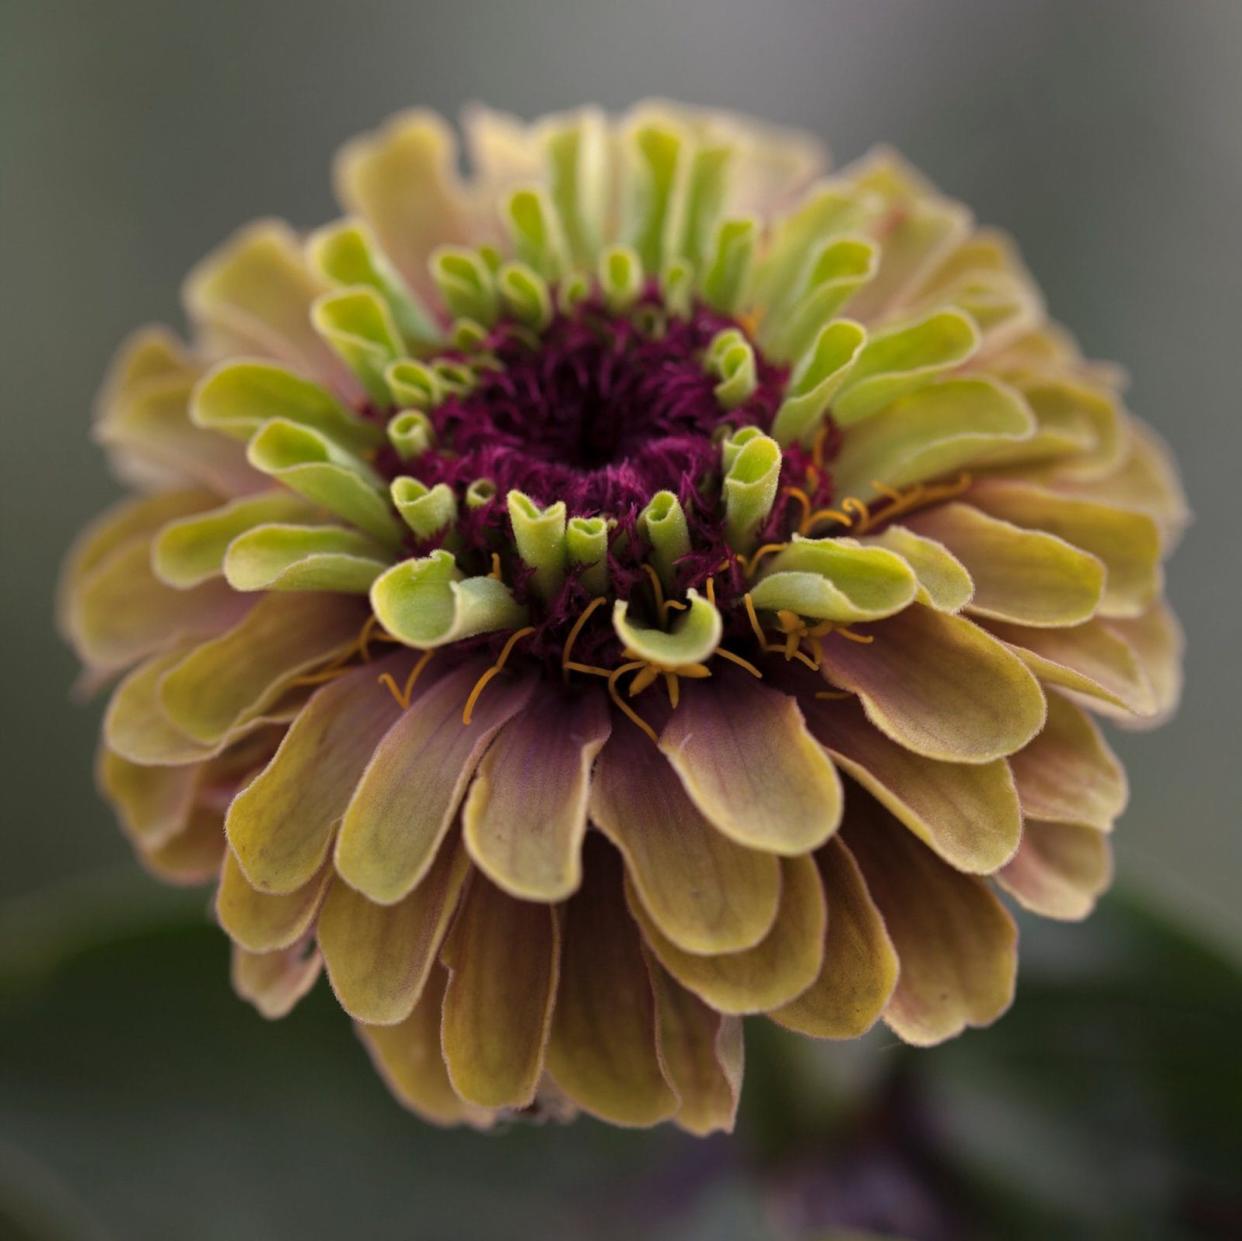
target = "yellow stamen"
x: 863, y: 639
x: 403, y: 695
x: 825, y: 514
x: 817, y: 448
x: 711, y: 590
x: 494, y: 671
x: 834, y: 695
x: 741, y: 663
x: 613, y: 677
x: 583, y: 617
x: 804, y: 502
x: 496, y: 567
x: 766, y: 550
x: 364, y: 638
x: 753, y: 616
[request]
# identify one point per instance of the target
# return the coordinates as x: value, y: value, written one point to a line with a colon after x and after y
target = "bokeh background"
x: 139, y: 1100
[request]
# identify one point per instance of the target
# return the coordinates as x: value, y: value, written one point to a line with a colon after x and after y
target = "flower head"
x: 647, y: 583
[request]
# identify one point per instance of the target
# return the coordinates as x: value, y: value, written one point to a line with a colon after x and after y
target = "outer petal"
x: 775, y: 971
x: 502, y: 955
x: 379, y: 956
x: 940, y: 686
x: 1060, y: 870
x: 409, y: 794
x: 1068, y: 774
x: 1026, y: 576
x: 705, y: 893
x: 1156, y: 639
x: 274, y: 981
x: 749, y: 764
x: 191, y: 857
x: 407, y: 1056
x: 967, y: 812
x: 153, y: 803
x: 956, y: 943
x: 702, y: 1054
x: 525, y: 816
x: 261, y: 921
x: 233, y: 678
x: 602, y: 1051
x: 281, y: 825
x: 859, y: 971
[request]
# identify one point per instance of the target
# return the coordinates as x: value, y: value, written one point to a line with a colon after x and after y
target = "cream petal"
x: 409, y: 794
x: 1020, y: 575
x: 602, y: 1051
x: 264, y: 921
x: 705, y: 893
x: 966, y: 812
x: 940, y: 686
x: 748, y: 763
x: 1158, y: 643
x: 407, y: 1056
x: 859, y: 972
x: 1068, y: 774
x: 777, y: 970
x: 702, y: 1054
x: 1060, y: 869
x: 280, y: 826
x: 525, y: 816
x: 274, y: 981
x: 956, y: 944
x: 502, y: 956
x: 378, y: 956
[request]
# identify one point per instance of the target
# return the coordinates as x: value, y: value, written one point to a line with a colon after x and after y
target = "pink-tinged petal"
x: 1127, y: 542
x: 956, y: 944
x: 234, y: 678
x: 702, y: 1054
x: 967, y: 812
x: 261, y: 921
x: 502, y: 956
x: 777, y: 970
x: 526, y: 813
x: 121, y: 612
x: 407, y: 1056
x: 408, y: 795
x: 602, y: 1051
x: 859, y: 972
x: 275, y: 981
x: 1021, y: 575
x: 1158, y: 643
x: 1092, y: 661
x: 193, y: 856
x: 705, y: 893
x: 749, y: 764
x: 280, y: 826
x: 379, y: 956
x: 938, y: 685
x: 1060, y: 871
x: 152, y: 803
x: 1068, y: 774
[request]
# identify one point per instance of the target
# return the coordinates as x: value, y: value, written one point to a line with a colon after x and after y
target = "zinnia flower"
x: 647, y: 583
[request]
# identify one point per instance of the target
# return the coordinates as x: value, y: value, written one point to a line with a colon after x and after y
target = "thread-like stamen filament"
x: 741, y: 663
x: 579, y: 624
x: 613, y: 677
x: 403, y: 694
x: 804, y: 502
x: 768, y: 549
x: 833, y: 695
x: 494, y: 671
x: 496, y: 567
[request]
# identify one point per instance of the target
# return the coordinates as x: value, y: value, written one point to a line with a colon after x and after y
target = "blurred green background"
x: 139, y: 1100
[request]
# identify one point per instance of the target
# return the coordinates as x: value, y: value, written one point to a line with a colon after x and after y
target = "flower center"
x: 599, y: 410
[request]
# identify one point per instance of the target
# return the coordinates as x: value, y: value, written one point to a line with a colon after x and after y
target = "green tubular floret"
x: 620, y: 277
x: 731, y: 359
x: 358, y: 325
x: 410, y: 433
x: 426, y: 510
x: 657, y: 182
x: 466, y: 283
x: 313, y: 466
x: 727, y: 267
x: 731, y: 445
x: 750, y: 490
x: 414, y: 383
x: 526, y: 295
x: 538, y: 238
x: 346, y: 254
x: 586, y: 539
x: 480, y: 492
x: 428, y: 602
x: 818, y: 375
x: 677, y: 288
x: 694, y: 637
x: 540, y: 538
x: 663, y: 522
